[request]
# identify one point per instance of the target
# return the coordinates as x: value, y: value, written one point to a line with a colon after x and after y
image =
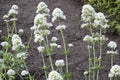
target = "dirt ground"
x: 78, y: 58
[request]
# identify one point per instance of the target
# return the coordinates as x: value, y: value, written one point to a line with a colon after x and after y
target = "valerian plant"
x: 47, y: 46
x: 14, y: 52
x: 94, y: 22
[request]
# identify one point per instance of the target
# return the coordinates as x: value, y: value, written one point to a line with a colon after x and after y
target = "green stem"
x: 8, y: 29
x: 66, y: 58
x: 100, y: 57
x: 63, y: 40
x: 30, y: 77
x: 49, y: 54
x: 14, y: 26
x: 30, y: 39
x: 94, y: 52
x: 47, y: 42
x: 65, y: 50
x: 44, y: 65
x: 89, y: 63
x: 51, y: 62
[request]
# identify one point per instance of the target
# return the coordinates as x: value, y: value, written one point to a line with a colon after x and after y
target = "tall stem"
x: 94, y: 52
x: 49, y: 54
x: 100, y: 57
x: 44, y: 65
x: 89, y: 62
x: 30, y: 39
x: 7, y: 23
x: 65, y: 50
x: 51, y: 62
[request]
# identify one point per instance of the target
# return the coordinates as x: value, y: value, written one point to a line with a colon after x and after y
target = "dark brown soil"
x: 78, y: 58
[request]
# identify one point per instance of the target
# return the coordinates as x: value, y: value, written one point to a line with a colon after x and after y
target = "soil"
x: 78, y: 58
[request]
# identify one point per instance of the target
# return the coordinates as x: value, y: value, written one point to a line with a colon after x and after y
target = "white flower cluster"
x: 70, y: 45
x: 54, y: 75
x: 97, y: 19
x: 4, y: 44
x: 21, y: 31
x: 88, y: 13
x: 41, y: 25
x: 96, y: 37
x: 59, y: 63
x: 58, y: 15
x: 114, y: 71
x: 21, y: 55
x: 88, y: 38
x: 24, y: 73
x: 11, y: 72
x: 43, y: 8
x: 41, y: 49
x: 16, y: 42
x: 13, y: 10
x: 53, y: 44
x: 54, y: 39
x: 61, y: 27
x: 100, y: 20
x: 112, y: 45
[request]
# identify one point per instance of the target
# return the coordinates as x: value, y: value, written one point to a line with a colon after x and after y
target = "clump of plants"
x: 14, y: 52
x: 96, y: 23
x: 112, y: 10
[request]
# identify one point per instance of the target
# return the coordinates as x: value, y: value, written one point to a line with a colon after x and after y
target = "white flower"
x: 112, y: 52
x: 4, y: 44
x: 88, y: 13
x: 112, y: 45
x: 58, y: 14
x: 54, y: 39
x: 88, y: 38
x: 24, y: 73
x: 38, y: 38
x: 70, y: 45
x: 100, y: 20
x: 61, y: 27
x: 59, y: 46
x: 54, y: 75
x: 41, y: 49
x: 11, y: 72
x: 21, y: 31
x: 42, y: 8
x: 13, y: 19
x: 40, y: 19
x: 53, y: 44
x: 17, y: 42
x: 15, y: 7
x: 89, y: 47
x: 21, y: 55
x: 5, y: 16
x: 115, y: 70
x: 46, y: 32
x: 85, y: 73
x: 34, y: 27
x: 12, y: 11
x: 110, y: 75
x: 84, y: 25
x: 59, y: 63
